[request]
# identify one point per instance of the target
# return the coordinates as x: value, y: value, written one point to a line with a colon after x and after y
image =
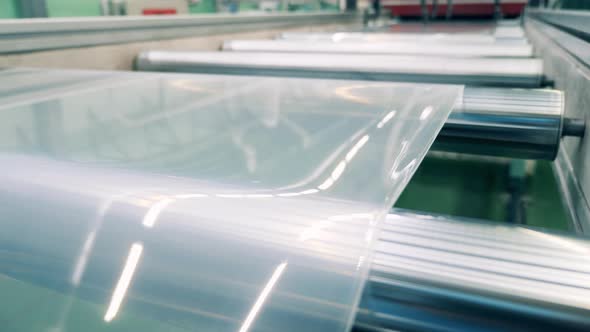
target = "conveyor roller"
x: 433, y: 273
x: 399, y: 48
x: 448, y: 70
x: 458, y: 38
x: 516, y: 123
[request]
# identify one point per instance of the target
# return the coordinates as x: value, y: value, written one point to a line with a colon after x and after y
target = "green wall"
x: 205, y: 6
x: 8, y: 9
x: 545, y: 208
x: 64, y: 8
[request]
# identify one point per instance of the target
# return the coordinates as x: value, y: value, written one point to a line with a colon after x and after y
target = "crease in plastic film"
x: 175, y: 202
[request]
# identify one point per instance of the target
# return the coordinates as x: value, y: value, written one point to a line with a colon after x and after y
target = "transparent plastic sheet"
x: 191, y: 202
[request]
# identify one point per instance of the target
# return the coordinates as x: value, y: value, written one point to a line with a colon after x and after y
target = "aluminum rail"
x: 26, y: 35
x: 459, y: 38
x: 432, y: 273
x: 575, y: 22
x: 487, y: 72
x: 399, y: 48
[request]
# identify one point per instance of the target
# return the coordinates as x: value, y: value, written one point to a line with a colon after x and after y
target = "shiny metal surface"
x: 573, y: 127
x: 471, y: 71
x: 505, y: 122
x: 163, y: 202
x: 449, y: 38
x: 393, y: 48
x: 432, y: 273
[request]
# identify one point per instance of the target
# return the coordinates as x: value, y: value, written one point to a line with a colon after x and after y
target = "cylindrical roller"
x: 432, y: 273
x: 471, y: 71
x: 463, y: 38
x: 505, y: 122
x: 399, y: 48
x: 509, y: 32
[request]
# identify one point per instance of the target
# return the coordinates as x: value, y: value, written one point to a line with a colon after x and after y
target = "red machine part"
x: 159, y: 11
x: 460, y: 8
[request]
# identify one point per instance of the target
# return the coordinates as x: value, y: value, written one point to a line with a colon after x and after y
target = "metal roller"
x: 515, y: 123
x: 460, y: 38
x: 432, y: 273
x: 470, y: 71
x: 399, y: 48
x: 508, y: 31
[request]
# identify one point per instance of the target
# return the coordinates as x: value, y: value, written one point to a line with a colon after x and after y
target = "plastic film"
x: 211, y: 203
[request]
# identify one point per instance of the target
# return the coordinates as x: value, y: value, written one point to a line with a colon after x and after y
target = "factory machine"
x: 250, y: 189
x: 453, y: 8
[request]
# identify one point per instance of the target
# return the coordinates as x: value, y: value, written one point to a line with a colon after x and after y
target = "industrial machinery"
x: 250, y: 189
x: 454, y: 8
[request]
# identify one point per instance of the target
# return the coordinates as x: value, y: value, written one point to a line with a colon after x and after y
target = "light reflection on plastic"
x: 83, y: 258
x: 151, y: 216
x: 88, y: 245
x: 351, y: 216
x: 386, y: 119
x: 262, y: 297
x: 309, y: 191
x: 339, y: 169
x: 289, y: 194
x: 426, y: 113
x: 314, y: 230
x: 230, y: 196
x: 326, y: 184
x: 338, y: 37
x: 186, y: 196
x: 345, y: 93
x: 124, y: 281
x: 356, y: 148
x: 259, y: 195
x: 149, y: 220
x: 337, y: 172
x: 188, y: 84
x: 409, y: 167
x: 360, y: 262
x: 369, y: 235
